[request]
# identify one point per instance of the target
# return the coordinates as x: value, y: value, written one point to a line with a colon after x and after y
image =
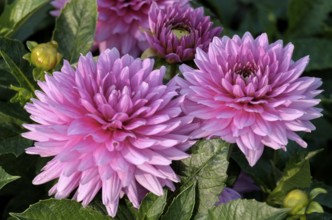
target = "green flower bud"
x: 45, y: 56
x: 296, y: 200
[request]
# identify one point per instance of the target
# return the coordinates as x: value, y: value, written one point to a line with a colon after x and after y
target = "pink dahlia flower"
x: 121, y: 23
x: 175, y: 32
x: 249, y: 92
x: 110, y: 125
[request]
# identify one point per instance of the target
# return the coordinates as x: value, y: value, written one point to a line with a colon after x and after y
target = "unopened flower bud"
x: 45, y: 56
x: 296, y: 200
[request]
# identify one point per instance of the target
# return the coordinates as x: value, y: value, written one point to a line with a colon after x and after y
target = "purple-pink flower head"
x: 249, y: 92
x: 121, y: 23
x: 111, y: 125
x: 176, y: 31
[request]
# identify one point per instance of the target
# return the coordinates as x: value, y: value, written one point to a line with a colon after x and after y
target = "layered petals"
x: 175, y: 31
x: 110, y: 125
x: 249, y: 92
x: 121, y: 23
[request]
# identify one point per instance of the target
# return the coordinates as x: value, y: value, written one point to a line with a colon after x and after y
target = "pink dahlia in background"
x: 121, y: 23
x: 249, y: 92
x: 111, y: 125
x: 175, y: 32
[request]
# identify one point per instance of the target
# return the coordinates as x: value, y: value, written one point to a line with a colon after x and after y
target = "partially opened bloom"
x: 121, y: 23
x: 111, y: 125
x: 249, y: 92
x: 176, y: 31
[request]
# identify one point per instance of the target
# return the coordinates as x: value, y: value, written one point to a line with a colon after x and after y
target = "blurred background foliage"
x: 305, y: 23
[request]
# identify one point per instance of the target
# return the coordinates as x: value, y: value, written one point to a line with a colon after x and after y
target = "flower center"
x: 246, y: 70
x: 180, y: 31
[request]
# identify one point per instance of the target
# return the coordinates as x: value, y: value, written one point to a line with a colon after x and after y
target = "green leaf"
x: 307, y: 17
x: 17, y: 13
x: 318, y: 49
x: 9, y: 121
x: 64, y: 209
x: 5, y: 178
x: 182, y: 206
x: 16, y: 72
x: 315, y: 192
x: 324, y: 199
x: 242, y: 209
x: 152, y: 206
x: 75, y: 28
x: 22, y: 96
x: 39, y: 74
x: 296, y: 175
x: 14, y: 145
x: 314, y: 207
x: 208, y: 166
x: 26, y: 89
x: 15, y: 50
x: 37, y: 22
x: 12, y: 116
x: 31, y: 45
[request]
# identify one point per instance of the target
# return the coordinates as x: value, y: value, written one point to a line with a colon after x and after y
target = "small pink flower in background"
x: 249, y: 92
x: 227, y: 195
x: 121, y: 23
x: 243, y: 184
x: 176, y: 31
x: 111, y: 125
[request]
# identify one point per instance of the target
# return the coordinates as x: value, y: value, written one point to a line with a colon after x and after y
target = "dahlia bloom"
x: 249, y: 92
x: 110, y: 125
x: 121, y: 23
x: 175, y: 32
